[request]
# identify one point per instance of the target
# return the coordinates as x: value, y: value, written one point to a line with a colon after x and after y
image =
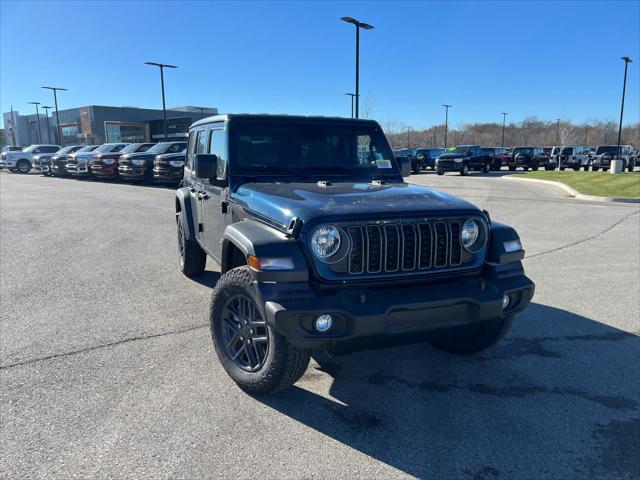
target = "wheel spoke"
x: 260, y: 339
x: 239, y: 352
x: 231, y: 324
x: 233, y: 340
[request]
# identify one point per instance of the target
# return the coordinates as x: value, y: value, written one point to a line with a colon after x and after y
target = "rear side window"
x: 49, y: 149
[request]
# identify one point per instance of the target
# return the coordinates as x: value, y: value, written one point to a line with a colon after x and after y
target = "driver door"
x: 215, y: 205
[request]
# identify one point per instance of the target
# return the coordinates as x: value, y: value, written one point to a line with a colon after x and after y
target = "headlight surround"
x: 108, y: 161
x: 176, y: 163
x: 137, y: 162
x: 469, y: 235
x: 325, y: 241
x: 457, y: 160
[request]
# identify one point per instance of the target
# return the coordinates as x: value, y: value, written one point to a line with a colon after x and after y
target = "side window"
x: 117, y: 148
x: 201, y: 147
x: 37, y: 150
x: 51, y: 149
x: 218, y: 147
x: 191, y: 150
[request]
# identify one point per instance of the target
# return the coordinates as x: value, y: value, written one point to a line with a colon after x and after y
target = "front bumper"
x: 366, y: 316
x: 449, y: 166
x: 167, y: 174
x: 135, y: 172
x: 104, y: 171
x: 78, y: 170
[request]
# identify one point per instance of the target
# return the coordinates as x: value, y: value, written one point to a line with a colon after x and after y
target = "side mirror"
x: 405, y: 166
x: 206, y: 165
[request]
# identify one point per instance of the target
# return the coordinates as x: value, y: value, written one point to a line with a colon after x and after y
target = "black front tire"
x: 464, y: 171
x: 512, y: 168
x: 471, y: 339
x: 281, y: 363
x: 440, y: 172
x: 23, y: 166
x: 192, y: 258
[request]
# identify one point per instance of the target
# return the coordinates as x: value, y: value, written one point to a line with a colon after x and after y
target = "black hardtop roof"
x: 279, y: 117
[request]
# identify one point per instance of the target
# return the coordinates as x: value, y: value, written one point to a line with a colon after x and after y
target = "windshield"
x: 160, y: 148
x: 68, y: 149
x: 87, y: 148
x: 462, y: 150
x: 30, y: 148
x: 133, y: 147
x: 612, y: 149
x: 308, y: 148
x: 107, y: 147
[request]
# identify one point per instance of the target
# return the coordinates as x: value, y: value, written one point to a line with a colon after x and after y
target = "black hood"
x: 171, y: 156
x: 280, y: 202
x: 139, y: 156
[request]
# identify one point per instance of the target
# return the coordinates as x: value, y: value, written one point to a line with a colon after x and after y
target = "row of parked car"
x: 160, y: 162
x: 464, y: 158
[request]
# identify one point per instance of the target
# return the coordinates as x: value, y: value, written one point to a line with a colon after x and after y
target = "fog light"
x: 323, y: 323
x: 506, y: 300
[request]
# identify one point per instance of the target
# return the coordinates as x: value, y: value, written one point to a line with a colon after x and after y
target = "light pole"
x: 38, y: 119
x: 627, y: 60
x: 504, y: 120
x: 435, y: 131
x: 408, y: 129
x: 446, y: 123
x: 352, y: 95
x: 46, y: 118
x: 162, y: 66
x: 358, y: 26
x: 55, y: 100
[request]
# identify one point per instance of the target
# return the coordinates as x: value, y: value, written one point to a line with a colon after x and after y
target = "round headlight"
x: 469, y: 234
x: 325, y: 241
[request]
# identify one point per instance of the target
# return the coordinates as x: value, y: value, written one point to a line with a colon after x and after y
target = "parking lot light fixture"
x: 627, y: 61
x: 504, y: 120
x: 358, y: 26
x: 55, y: 100
x: 446, y: 123
x: 38, y: 120
x: 352, y: 95
x: 46, y: 109
x: 162, y: 66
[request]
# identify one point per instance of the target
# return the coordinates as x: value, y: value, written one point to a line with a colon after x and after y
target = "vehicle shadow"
x: 558, y: 398
x: 499, y: 173
x: 208, y: 278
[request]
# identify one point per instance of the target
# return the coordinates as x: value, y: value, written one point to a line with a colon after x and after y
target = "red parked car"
x: 105, y: 165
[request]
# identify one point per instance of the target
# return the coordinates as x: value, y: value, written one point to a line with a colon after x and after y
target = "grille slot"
x: 405, y: 247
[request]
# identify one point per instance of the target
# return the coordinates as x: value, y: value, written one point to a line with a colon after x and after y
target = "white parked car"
x: 22, y: 161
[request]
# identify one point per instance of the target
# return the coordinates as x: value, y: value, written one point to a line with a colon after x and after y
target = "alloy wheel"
x: 244, y: 333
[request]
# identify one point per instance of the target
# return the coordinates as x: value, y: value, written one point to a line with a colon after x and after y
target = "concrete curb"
x: 571, y: 192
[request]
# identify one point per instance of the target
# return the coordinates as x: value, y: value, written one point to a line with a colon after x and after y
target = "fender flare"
x: 499, y: 234
x: 251, y: 237
x: 183, y: 206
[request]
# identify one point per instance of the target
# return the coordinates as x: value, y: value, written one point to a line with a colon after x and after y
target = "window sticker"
x: 383, y: 163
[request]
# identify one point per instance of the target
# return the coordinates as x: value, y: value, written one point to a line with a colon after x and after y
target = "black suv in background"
x: 169, y: 167
x: 463, y: 159
x: 105, y: 165
x: 58, y: 163
x: 426, y: 157
x: 139, y: 166
x: 529, y: 158
x: 322, y: 245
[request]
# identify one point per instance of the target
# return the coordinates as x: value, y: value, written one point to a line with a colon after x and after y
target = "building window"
x: 117, y: 132
x: 69, y: 134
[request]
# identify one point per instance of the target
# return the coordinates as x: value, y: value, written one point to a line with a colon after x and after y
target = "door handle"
x: 203, y: 196
x: 192, y: 189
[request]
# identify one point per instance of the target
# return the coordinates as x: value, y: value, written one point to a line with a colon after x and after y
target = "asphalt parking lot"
x: 107, y: 369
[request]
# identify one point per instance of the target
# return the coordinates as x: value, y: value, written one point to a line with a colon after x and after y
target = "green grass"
x: 602, y: 184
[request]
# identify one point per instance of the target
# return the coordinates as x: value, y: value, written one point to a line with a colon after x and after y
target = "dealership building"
x: 96, y: 124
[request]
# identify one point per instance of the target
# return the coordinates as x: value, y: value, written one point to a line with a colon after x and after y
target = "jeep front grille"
x: 404, y: 246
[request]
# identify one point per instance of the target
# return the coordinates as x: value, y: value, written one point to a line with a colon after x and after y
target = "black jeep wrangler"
x: 528, y: 158
x: 323, y: 246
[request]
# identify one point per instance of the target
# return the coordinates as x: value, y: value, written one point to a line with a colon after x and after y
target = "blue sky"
x: 548, y: 59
